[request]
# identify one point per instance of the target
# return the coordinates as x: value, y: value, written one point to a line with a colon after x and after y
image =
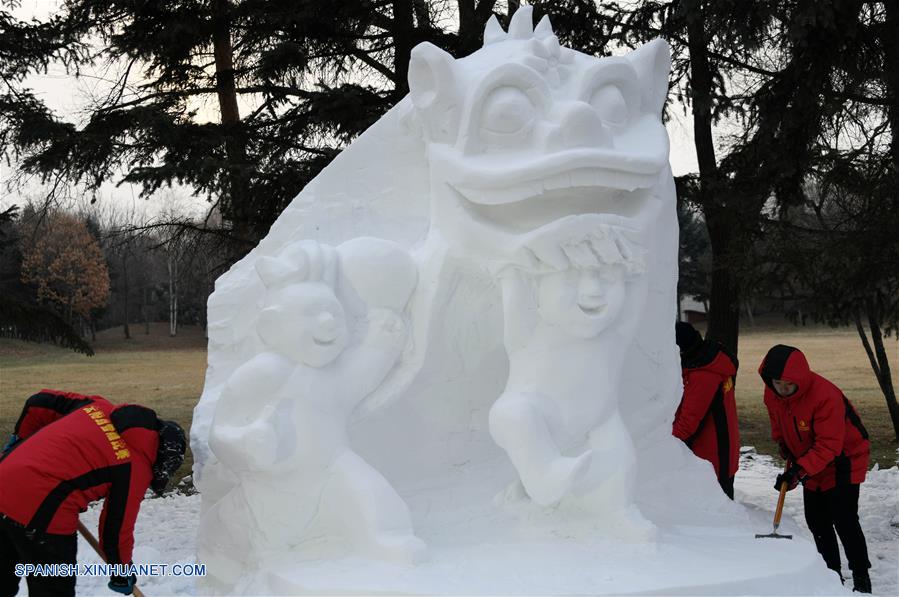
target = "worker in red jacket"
x: 68, y: 450
x: 822, y: 437
x: 706, y: 419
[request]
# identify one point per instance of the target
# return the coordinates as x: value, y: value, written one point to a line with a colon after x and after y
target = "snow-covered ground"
x: 167, y: 527
x: 878, y: 510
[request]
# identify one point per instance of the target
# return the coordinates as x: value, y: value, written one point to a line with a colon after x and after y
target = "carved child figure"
x: 333, y: 330
x: 565, y: 333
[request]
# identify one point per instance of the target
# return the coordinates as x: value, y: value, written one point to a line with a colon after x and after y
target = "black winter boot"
x: 861, y: 582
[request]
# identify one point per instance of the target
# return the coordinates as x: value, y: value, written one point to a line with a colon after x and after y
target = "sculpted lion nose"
x: 577, y: 126
x: 581, y: 126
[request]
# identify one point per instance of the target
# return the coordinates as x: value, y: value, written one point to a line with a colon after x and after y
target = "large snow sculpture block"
x: 477, y: 396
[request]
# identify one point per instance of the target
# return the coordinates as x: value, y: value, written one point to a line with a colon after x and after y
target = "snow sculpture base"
x: 553, y: 569
x: 491, y: 551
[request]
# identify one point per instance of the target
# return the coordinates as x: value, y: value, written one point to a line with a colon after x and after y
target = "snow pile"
x: 166, y: 529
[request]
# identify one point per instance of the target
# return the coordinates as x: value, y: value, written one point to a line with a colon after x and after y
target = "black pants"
x: 837, y: 509
x: 18, y: 547
x: 727, y: 484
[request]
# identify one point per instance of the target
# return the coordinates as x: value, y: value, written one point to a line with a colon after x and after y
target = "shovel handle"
x: 89, y: 537
x: 784, y: 486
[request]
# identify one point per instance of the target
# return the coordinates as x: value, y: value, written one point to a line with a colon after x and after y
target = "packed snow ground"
x: 166, y: 528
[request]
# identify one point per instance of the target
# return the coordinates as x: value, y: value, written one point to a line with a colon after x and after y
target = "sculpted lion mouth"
x: 537, y: 203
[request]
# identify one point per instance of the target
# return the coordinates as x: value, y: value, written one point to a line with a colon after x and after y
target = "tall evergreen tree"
x: 291, y: 82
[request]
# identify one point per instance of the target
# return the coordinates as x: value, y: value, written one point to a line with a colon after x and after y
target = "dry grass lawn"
x: 166, y: 374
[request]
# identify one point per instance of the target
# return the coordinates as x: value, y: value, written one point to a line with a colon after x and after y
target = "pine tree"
x: 291, y: 84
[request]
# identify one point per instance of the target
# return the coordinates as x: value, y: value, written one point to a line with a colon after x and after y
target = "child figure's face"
x: 583, y: 302
x: 306, y: 322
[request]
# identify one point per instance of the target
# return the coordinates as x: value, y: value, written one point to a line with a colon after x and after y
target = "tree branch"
x: 365, y: 58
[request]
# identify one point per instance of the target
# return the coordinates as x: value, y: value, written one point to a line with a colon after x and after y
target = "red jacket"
x: 817, y: 424
x: 76, y: 449
x: 706, y: 419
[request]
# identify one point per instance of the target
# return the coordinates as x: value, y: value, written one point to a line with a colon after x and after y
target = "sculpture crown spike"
x: 493, y: 31
x: 522, y: 24
x: 544, y: 28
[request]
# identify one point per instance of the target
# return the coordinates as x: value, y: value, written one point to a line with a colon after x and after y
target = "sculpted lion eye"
x: 507, y: 110
x: 609, y: 103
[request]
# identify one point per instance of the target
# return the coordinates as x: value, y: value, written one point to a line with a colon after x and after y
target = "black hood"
x: 170, y: 456
x: 787, y: 363
x: 703, y: 354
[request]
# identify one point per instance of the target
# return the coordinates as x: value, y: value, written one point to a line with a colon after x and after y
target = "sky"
x: 66, y: 95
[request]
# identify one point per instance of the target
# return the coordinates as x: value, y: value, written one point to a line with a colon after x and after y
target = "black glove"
x: 792, y: 476
x: 122, y: 584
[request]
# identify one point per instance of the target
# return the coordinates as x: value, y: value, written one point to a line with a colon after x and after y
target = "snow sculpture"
x: 524, y: 428
x: 332, y: 327
x: 563, y: 332
x: 537, y: 170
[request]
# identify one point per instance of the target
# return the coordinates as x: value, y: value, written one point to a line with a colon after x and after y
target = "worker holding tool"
x: 820, y: 433
x: 706, y: 419
x: 68, y: 450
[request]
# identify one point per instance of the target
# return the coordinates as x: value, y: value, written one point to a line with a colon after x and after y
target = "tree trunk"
x: 890, y: 42
x: 145, y: 310
x: 886, y: 378
x: 877, y: 356
x: 224, y: 62
x: 422, y: 15
x: 701, y: 96
x: 724, y: 297
x: 237, y: 207
x: 749, y: 313
x: 125, y: 294
x: 403, y: 40
x: 467, y: 27
x: 173, y: 298
x: 473, y: 16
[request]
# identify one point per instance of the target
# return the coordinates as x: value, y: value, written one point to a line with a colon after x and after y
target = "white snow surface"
x: 166, y: 533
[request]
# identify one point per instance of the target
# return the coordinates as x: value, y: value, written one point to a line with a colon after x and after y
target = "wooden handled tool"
x: 96, y: 545
x: 784, y: 487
